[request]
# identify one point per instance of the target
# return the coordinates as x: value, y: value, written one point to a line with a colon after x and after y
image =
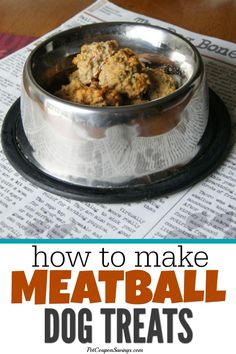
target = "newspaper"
x: 206, y: 210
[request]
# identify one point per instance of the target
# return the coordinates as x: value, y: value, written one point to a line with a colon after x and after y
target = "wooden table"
x: 36, y: 17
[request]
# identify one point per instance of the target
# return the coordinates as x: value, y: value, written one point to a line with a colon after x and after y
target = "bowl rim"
x: 162, y: 101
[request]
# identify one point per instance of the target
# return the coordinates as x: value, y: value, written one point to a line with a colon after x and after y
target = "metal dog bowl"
x: 110, y: 148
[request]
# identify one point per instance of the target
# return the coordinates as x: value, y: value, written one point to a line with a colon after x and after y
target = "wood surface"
x: 36, y: 17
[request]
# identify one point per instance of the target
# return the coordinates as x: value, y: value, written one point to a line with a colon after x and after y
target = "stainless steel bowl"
x: 112, y: 146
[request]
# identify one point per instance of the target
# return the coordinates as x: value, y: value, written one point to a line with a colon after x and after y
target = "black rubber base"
x: 215, y: 144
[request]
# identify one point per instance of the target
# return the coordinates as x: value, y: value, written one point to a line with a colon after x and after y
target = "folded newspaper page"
x: 206, y: 210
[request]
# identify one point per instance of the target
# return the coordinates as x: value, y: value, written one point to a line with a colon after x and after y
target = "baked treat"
x: 108, y: 76
x: 91, y: 58
x: 124, y: 73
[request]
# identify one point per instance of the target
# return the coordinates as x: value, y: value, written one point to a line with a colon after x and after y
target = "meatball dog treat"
x: 108, y: 76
